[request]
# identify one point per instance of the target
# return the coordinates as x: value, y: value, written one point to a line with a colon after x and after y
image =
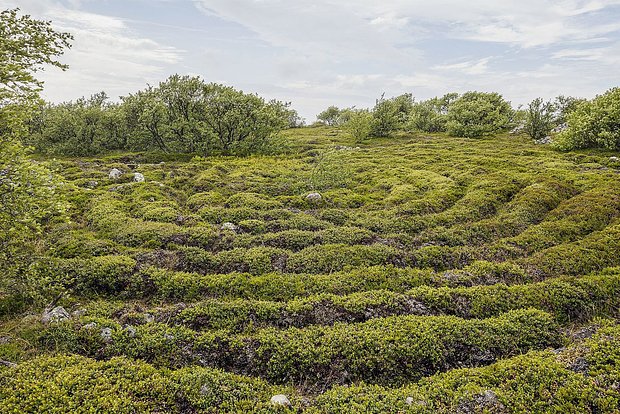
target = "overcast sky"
x: 316, y: 53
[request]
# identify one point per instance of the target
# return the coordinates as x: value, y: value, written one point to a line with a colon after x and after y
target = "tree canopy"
x: 28, y: 191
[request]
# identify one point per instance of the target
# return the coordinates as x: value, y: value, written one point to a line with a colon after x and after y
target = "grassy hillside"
x: 421, y: 273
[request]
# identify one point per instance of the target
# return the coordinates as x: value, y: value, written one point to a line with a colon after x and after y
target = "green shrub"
x: 537, y: 382
x: 478, y: 114
x: 207, y: 199
x: 335, y: 257
x: 593, y: 124
x: 104, y: 275
x: 391, y: 350
x: 79, y: 385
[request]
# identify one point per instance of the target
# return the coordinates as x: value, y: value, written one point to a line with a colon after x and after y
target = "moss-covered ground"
x: 434, y: 275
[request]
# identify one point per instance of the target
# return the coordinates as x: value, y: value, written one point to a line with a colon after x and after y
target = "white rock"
x: 106, y: 334
x: 131, y: 331
x: 280, y: 399
x: 560, y: 128
x: 115, y: 174
x: 229, y: 226
x: 544, y: 141
x: 138, y: 178
x: 314, y: 197
x: 56, y: 314
x: 409, y: 400
x: 613, y: 159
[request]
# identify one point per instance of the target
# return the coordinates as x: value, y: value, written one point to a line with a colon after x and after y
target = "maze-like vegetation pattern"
x: 434, y: 274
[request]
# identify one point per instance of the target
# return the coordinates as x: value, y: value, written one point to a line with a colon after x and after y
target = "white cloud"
x: 476, y: 67
x: 321, y: 52
x: 106, y: 54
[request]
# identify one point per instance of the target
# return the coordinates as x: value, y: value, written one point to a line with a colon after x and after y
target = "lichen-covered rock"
x: 314, y: 197
x: 544, y: 141
x: 106, y: 334
x: 560, y: 128
x: 280, y: 399
x: 56, y: 314
x: 130, y: 330
x: 115, y: 174
x: 138, y: 178
x: 486, y: 402
x: 229, y: 226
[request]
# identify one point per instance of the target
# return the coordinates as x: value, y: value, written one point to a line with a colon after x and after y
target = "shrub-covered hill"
x: 421, y: 273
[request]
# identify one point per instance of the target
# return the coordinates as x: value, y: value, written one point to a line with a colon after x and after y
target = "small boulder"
x: 614, y: 159
x: 106, y: 334
x: 229, y: 226
x: 280, y: 399
x: 487, y: 402
x: 544, y: 141
x: 168, y: 337
x: 409, y: 400
x: 91, y: 325
x: 115, y: 174
x: 560, y: 128
x: 130, y: 330
x: 138, y: 178
x: 56, y: 314
x: 314, y: 197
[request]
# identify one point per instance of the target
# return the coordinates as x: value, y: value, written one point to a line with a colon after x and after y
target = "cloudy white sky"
x: 316, y: 53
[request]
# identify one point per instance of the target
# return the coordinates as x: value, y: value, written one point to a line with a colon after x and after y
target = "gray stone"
x: 56, y: 314
x: 544, y: 141
x: 560, y: 128
x: 138, y: 178
x: 229, y: 226
x: 8, y: 363
x: 485, y: 402
x: 115, y: 174
x: 130, y: 330
x: 579, y: 365
x: 280, y: 399
x: 148, y: 318
x: 78, y: 313
x: 314, y: 197
x: 409, y: 400
x: 106, y: 334
x: 519, y: 128
x: 91, y: 325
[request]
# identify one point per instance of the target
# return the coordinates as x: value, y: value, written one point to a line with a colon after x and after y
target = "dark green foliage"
x: 478, y: 114
x: 181, y: 114
x: 593, y: 123
x: 389, y: 350
x: 431, y: 115
x: 390, y: 115
x: 80, y: 385
x: 540, y: 119
x: 538, y: 382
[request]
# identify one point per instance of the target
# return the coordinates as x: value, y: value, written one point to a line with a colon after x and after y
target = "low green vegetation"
x: 414, y: 257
